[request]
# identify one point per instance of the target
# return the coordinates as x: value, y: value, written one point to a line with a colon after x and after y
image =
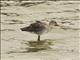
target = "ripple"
x: 11, y: 22
x: 7, y: 30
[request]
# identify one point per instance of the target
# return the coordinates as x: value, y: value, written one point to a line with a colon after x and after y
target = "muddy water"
x: 60, y: 43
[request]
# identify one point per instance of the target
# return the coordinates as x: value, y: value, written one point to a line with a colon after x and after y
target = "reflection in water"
x: 35, y: 46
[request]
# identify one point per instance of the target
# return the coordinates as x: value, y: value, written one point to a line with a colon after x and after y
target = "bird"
x: 39, y: 28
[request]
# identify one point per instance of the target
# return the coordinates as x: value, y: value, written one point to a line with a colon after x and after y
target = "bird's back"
x: 37, y: 27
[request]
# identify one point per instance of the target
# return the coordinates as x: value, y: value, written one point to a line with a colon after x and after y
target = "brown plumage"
x: 39, y: 27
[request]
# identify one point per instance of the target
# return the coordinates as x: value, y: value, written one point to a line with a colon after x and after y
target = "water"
x: 60, y: 43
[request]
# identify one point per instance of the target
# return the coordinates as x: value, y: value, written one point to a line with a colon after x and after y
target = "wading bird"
x: 39, y: 27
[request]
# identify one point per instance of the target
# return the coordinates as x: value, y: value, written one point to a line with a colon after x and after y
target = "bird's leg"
x: 38, y: 38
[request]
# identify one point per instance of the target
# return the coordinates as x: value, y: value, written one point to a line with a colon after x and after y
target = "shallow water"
x: 62, y: 43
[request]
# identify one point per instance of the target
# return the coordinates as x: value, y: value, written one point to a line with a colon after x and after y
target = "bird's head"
x: 53, y: 23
